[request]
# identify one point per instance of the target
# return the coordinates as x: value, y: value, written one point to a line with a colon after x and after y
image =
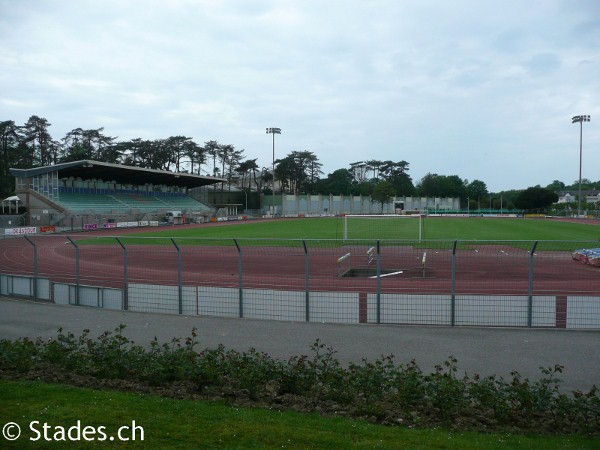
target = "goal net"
x: 386, y: 226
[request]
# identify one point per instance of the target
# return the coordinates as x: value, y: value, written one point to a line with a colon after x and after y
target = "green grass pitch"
x: 446, y: 228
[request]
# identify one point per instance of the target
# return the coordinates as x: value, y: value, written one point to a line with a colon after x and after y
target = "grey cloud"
x: 543, y: 64
x: 436, y: 83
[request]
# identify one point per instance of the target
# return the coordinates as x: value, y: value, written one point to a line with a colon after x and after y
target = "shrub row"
x: 380, y: 390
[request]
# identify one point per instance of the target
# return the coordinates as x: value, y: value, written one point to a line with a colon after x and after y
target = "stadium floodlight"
x: 580, y: 119
x: 273, y: 131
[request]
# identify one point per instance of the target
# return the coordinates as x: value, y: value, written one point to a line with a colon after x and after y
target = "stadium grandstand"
x: 83, y: 194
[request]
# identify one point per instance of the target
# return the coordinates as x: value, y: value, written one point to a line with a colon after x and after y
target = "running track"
x: 485, y: 270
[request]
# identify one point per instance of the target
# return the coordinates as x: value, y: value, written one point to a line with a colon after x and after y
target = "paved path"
x: 485, y: 351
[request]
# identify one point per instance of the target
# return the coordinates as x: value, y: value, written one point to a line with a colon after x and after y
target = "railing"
x: 483, y: 283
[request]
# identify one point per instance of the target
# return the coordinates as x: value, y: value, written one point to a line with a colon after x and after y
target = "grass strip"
x: 185, y: 424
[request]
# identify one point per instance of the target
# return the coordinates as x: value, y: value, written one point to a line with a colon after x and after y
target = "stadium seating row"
x: 80, y: 203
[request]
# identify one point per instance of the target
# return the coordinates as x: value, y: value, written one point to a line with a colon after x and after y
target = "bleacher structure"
x: 93, y: 193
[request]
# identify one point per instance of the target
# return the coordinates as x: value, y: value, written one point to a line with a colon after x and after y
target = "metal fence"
x: 483, y: 283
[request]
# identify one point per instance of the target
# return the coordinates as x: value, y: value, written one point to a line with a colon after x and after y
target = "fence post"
x: 125, y: 279
x: 76, y: 269
x: 240, y: 278
x: 378, y: 281
x: 453, y: 293
x: 306, y: 282
x: 530, y: 289
x: 180, y: 287
x: 35, y: 268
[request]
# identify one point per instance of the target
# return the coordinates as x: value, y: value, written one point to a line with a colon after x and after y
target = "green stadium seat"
x: 125, y: 203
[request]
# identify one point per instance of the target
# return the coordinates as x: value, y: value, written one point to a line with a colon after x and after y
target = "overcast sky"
x: 480, y: 89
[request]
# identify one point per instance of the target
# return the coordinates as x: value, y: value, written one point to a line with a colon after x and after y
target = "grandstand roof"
x: 87, y: 169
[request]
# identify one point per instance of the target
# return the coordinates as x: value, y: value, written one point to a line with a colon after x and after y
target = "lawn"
x: 185, y: 424
x: 446, y: 228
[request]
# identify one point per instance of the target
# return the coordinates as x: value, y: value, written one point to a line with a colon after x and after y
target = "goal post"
x: 383, y: 226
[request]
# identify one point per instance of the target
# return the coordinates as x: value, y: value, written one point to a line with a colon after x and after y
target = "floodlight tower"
x: 273, y: 131
x: 580, y: 120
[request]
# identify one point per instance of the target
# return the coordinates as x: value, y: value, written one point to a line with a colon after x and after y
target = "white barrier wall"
x: 504, y: 311
x: 413, y: 309
x: 275, y: 305
x: 581, y: 312
x: 211, y: 301
x: 97, y: 297
x: 64, y: 294
x: 334, y: 307
x: 153, y: 298
x: 344, y: 307
x: 480, y: 310
x: 544, y: 311
x: 341, y: 307
x: 24, y: 286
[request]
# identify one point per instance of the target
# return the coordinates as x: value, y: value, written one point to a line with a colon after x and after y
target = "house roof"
x: 87, y: 169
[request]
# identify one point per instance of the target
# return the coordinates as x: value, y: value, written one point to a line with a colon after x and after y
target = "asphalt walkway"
x: 485, y: 351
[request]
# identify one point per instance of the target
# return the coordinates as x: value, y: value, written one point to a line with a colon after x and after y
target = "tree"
x: 338, y: 182
x: 374, y: 165
x: 129, y: 151
x: 39, y: 142
x: 454, y: 186
x: 556, y: 186
x: 395, y: 173
x: 296, y: 169
x: 508, y: 199
x: 265, y: 179
x: 430, y: 186
x: 232, y: 158
x: 365, y: 188
x: 535, y: 198
x: 246, y: 169
x: 154, y: 155
x: 477, y: 191
x: 72, y: 148
x: 285, y: 172
x: 178, y: 147
x: 212, y: 149
x: 383, y: 193
x: 224, y: 153
x: 359, y: 171
x: 196, y: 154
x: 313, y: 167
x: 81, y: 144
x: 434, y: 185
x: 9, y: 142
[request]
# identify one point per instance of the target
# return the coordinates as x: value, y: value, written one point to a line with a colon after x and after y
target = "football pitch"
x: 438, y: 228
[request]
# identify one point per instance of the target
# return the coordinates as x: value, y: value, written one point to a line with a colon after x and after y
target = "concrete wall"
x: 580, y: 312
x: 336, y: 204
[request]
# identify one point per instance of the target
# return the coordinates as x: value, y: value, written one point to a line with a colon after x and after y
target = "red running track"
x: 480, y: 269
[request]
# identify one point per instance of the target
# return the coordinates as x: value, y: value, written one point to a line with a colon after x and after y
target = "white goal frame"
x: 384, y: 216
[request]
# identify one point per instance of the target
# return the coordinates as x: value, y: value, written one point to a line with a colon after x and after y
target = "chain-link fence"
x: 489, y: 283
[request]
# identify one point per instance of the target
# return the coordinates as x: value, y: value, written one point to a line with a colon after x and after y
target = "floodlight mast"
x: 273, y: 131
x: 580, y: 119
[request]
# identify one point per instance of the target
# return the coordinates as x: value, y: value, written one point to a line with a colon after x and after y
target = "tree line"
x: 299, y: 172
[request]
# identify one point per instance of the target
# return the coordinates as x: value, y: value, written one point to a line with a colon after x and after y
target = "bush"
x: 381, y: 390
